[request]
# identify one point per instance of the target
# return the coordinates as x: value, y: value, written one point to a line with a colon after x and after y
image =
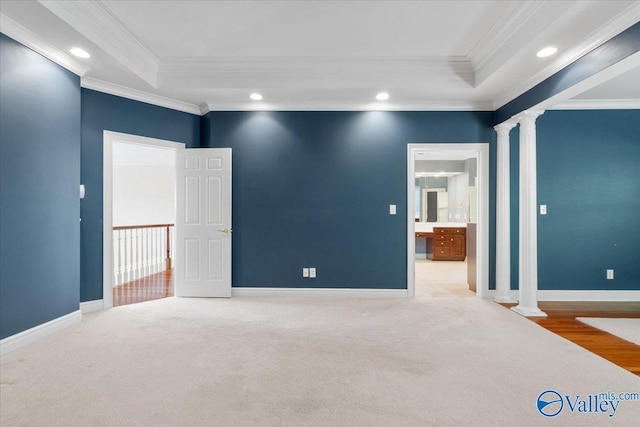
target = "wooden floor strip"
x: 155, y: 286
x: 562, y: 321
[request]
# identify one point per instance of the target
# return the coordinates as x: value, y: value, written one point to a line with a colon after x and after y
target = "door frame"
x: 440, y: 152
x: 109, y: 138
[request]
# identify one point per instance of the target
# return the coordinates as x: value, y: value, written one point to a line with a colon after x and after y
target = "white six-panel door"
x: 203, y: 223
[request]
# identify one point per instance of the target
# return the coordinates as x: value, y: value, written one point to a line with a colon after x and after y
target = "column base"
x: 529, y: 312
x: 507, y: 300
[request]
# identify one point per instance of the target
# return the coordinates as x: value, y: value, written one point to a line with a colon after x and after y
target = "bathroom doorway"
x: 447, y: 222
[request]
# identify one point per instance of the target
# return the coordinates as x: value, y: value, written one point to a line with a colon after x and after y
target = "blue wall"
x: 102, y: 112
x: 39, y: 179
x: 313, y: 189
x: 589, y: 176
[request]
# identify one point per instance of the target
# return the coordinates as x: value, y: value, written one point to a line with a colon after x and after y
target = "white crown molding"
x: 318, y: 292
x: 349, y: 106
x: 138, y: 95
x: 314, y: 72
x: 40, y: 45
x: 24, y: 338
x: 95, y: 21
x: 497, y: 46
x: 598, y: 104
x: 615, y: 26
x: 204, y: 108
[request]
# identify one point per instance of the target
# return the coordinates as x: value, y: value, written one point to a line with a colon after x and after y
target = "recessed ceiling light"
x: 255, y: 96
x: 547, y: 51
x: 382, y: 96
x: 80, y: 53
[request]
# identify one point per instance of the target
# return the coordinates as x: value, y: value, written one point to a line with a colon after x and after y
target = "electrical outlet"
x: 305, y: 272
x: 543, y: 209
x: 312, y: 272
x: 610, y: 274
x: 392, y: 209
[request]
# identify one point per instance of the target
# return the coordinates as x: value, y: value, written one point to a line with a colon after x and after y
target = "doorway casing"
x: 479, y: 151
x: 109, y: 138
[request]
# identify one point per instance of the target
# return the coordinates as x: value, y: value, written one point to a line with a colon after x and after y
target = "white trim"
x: 301, y: 105
x: 24, y: 338
x: 589, y: 295
x: 612, y: 28
x: 529, y: 311
x: 578, y: 295
x: 109, y: 138
x: 620, y: 67
x: 95, y: 21
x: 479, y: 151
x: 598, y: 104
x: 91, y: 306
x: 41, y: 46
x: 496, y: 46
x: 138, y: 95
x: 318, y: 292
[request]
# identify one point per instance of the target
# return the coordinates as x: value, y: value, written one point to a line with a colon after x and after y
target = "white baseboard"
x: 589, y: 295
x: 577, y: 295
x: 91, y: 306
x: 421, y: 256
x: 36, y: 333
x: 319, y: 292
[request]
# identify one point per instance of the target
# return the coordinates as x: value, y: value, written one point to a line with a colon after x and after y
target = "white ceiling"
x: 199, y: 56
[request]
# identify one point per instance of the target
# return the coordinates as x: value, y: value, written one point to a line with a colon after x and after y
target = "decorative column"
x: 528, y: 263
x: 503, y: 215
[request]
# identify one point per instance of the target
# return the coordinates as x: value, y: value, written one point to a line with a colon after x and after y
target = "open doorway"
x: 138, y: 208
x: 447, y: 221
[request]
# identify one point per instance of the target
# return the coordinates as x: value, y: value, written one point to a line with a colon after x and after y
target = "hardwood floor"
x: 562, y: 321
x: 155, y: 286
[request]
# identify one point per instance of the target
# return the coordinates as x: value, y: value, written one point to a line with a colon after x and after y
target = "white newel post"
x: 503, y: 215
x: 528, y: 240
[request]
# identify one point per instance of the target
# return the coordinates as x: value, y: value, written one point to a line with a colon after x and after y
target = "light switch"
x: 543, y: 209
x: 312, y: 272
x: 392, y: 209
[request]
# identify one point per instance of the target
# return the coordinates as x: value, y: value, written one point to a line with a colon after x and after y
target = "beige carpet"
x: 304, y: 362
x: 627, y: 329
x: 442, y: 279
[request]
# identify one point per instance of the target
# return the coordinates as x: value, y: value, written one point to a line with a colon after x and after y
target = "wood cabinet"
x: 449, y: 244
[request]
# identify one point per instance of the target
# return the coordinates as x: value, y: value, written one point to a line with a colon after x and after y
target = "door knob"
x: 225, y: 231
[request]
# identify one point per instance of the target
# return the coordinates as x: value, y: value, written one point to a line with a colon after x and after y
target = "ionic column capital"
x: 504, y: 128
x: 528, y: 117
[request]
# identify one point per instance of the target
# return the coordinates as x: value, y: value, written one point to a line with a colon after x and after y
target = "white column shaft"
x: 528, y: 231
x: 503, y: 216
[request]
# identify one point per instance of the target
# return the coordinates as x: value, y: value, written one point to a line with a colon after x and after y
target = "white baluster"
x: 138, y: 254
x: 121, y: 255
x: 127, y: 251
x: 155, y: 250
x: 116, y: 260
x: 134, y: 243
x: 145, y: 250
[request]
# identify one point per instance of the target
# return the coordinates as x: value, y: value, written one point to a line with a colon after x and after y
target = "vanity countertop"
x: 427, y: 227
